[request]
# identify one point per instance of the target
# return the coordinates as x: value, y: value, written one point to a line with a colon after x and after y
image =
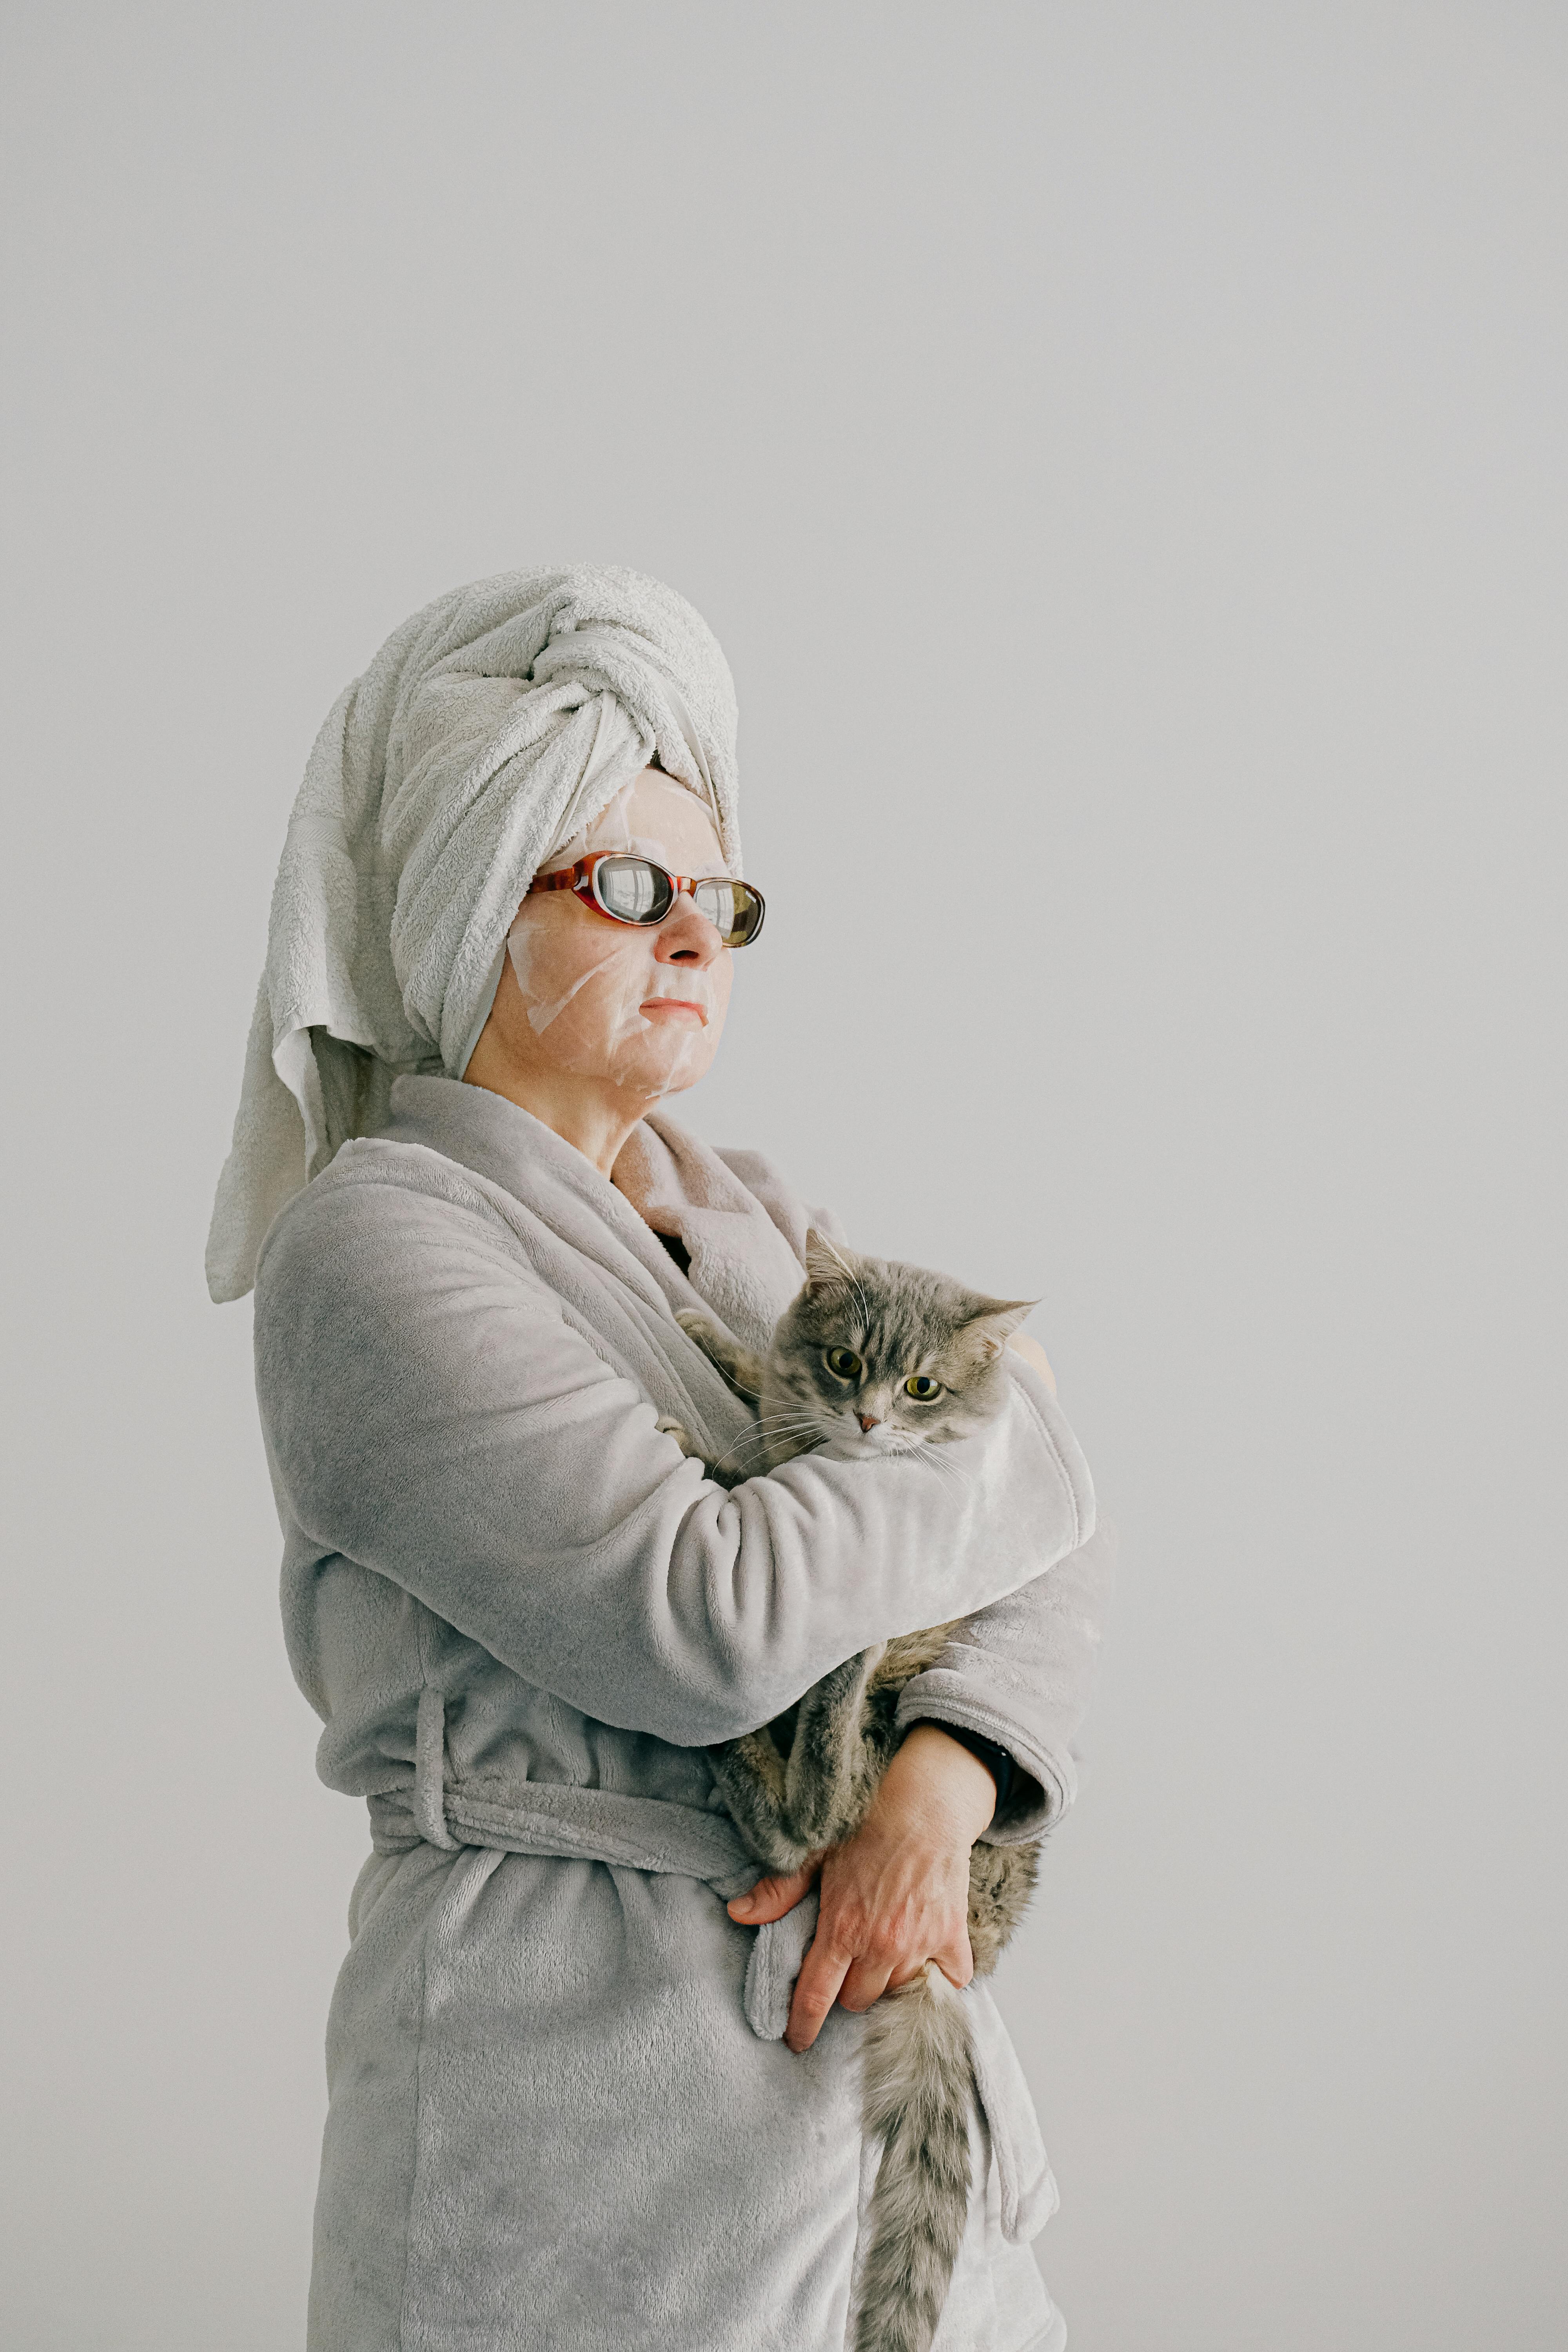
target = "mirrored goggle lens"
x: 734, y: 910
x: 633, y: 888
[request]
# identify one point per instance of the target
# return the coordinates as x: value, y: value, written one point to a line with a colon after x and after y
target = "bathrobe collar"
x: 746, y: 1259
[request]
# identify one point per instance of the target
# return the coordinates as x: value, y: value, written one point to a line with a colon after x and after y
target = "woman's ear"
x: 828, y: 1267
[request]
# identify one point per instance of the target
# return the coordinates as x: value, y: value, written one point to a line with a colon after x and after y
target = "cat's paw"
x: 682, y: 1436
x: 696, y: 1326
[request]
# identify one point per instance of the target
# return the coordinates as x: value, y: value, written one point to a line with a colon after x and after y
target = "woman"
x: 574, y: 2102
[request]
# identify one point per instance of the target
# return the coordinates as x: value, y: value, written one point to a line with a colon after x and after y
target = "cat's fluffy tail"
x: 918, y: 2095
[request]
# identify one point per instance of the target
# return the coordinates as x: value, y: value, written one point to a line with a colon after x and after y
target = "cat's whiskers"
x: 761, y: 1432
x: 764, y: 1437
x: 766, y: 1432
x: 958, y: 1479
x: 937, y: 1450
x: 775, y: 1424
x: 946, y: 1477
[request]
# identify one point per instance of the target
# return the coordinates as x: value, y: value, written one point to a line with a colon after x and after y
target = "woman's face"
x: 641, y: 1008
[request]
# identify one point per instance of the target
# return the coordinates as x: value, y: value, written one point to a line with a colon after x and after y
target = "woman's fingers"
x: 822, y: 1972
x: 867, y: 1980
x: 878, y: 1967
x: 954, y: 1958
x: 877, y: 1928
x: 769, y: 1898
x: 947, y: 1943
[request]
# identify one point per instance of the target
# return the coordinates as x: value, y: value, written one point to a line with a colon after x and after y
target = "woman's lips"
x: 653, y: 1006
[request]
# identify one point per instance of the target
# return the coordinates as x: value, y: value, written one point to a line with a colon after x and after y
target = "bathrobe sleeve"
x: 431, y: 1414
x: 1020, y: 1673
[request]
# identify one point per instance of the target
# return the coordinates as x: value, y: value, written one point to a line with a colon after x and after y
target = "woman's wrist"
x: 935, y: 1784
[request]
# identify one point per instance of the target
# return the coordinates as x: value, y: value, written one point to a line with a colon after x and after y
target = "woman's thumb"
x: 769, y: 1898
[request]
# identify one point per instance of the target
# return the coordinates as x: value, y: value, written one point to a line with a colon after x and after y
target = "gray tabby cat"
x: 883, y: 1359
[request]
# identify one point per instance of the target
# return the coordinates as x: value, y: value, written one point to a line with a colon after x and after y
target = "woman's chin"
x: 667, y: 1061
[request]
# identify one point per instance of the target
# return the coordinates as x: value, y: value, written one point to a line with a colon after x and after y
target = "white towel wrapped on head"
x: 496, y: 722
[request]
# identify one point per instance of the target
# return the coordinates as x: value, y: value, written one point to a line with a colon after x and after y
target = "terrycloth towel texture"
x: 552, y: 2121
x: 496, y: 722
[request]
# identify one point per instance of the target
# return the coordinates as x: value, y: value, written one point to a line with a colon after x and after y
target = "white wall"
x: 1120, y: 450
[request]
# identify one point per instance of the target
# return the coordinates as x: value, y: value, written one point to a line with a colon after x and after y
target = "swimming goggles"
x: 635, y: 890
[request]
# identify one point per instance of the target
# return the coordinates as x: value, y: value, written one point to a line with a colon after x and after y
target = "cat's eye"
x: 921, y: 1388
x: 843, y: 1362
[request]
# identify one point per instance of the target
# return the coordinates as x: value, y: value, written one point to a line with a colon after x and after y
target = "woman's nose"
x: 686, y: 937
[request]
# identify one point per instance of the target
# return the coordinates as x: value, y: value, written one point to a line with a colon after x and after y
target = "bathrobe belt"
x: 562, y: 1822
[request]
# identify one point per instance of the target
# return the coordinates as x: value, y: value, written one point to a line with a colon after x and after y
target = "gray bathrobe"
x: 560, y: 2119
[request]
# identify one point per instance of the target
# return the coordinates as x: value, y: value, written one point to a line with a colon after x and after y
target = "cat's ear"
x: 985, y: 1333
x: 828, y: 1267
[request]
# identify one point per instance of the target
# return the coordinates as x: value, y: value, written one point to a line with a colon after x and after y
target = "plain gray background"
x: 1121, y: 450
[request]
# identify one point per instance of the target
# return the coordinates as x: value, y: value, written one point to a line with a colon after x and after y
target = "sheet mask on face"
x: 490, y: 726
x: 587, y: 982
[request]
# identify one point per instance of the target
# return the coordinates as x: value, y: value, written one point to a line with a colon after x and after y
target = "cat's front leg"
x: 741, y: 1368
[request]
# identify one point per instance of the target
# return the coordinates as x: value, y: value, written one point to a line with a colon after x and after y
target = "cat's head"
x: 884, y: 1358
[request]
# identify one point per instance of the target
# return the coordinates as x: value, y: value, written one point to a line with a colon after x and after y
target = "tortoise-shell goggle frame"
x: 631, y: 889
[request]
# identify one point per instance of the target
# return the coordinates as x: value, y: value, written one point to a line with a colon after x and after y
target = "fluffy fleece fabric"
x: 556, y: 2118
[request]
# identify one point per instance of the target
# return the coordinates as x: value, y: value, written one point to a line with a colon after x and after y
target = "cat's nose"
x: 868, y: 1421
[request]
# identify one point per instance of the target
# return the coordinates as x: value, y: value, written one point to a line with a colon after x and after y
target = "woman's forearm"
x: 937, y: 1787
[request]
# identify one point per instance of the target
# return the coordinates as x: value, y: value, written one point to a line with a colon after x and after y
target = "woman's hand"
x: 894, y: 1895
